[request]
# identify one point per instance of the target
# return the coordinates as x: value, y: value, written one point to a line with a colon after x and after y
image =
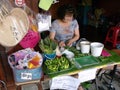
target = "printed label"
x: 26, y: 76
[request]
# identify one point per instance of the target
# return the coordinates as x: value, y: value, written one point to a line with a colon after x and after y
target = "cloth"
x: 64, y: 33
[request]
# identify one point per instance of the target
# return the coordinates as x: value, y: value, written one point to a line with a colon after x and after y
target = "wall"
x: 33, y: 4
x: 110, y: 6
x: 55, y: 6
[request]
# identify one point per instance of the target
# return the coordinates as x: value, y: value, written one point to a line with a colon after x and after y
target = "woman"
x: 65, y: 29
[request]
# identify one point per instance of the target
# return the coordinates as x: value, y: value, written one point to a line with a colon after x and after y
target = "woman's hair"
x: 66, y: 9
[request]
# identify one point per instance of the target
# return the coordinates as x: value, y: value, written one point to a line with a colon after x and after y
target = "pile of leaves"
x: 47, y: 45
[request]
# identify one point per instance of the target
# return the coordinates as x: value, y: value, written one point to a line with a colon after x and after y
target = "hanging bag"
x: 32, y: 37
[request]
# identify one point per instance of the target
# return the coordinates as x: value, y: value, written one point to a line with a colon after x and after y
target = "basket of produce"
x: 48, y: 48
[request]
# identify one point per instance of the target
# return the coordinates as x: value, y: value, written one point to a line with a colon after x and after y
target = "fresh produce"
x: 47, y: 45
x: 57, y: 64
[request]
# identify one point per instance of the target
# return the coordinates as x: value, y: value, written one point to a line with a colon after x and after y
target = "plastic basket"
x: 49, y: 56
x: 30, y: 40
x: 25, y: 75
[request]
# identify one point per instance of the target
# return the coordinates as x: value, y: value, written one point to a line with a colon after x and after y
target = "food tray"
x: 86, y: 61
x: 62, y: 72
x: 56, y: 73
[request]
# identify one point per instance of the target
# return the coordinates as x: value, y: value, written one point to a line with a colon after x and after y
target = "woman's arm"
x: 52, y: 36
x: 75, y: 38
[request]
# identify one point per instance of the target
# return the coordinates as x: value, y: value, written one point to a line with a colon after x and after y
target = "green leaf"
x: 47, y: 45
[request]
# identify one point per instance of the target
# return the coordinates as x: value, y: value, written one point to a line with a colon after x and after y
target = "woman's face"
x: 68, y: 18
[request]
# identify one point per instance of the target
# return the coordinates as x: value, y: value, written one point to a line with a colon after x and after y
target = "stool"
x: 37, y: 82
x: 113, y: 36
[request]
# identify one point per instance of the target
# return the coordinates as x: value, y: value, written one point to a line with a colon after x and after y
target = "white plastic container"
x: 85, y: 46
x: 96, y: 48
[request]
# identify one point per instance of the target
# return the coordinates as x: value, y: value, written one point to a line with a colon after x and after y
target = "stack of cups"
x: 95, y: 48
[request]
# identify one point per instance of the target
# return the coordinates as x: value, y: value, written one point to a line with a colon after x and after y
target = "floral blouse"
x: 64, y: 33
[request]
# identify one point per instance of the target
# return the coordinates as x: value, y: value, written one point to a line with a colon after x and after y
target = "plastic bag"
x: 32, y: 37
x: 44, y: 21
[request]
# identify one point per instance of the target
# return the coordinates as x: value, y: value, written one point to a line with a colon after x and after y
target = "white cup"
x: 96, y: 49
x: 85, y: 46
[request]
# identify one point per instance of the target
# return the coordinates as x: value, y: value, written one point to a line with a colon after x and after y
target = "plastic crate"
x: 24, y: 75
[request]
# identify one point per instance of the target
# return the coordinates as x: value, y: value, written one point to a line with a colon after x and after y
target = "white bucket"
x: 96, y: 49
x: 85, y: 46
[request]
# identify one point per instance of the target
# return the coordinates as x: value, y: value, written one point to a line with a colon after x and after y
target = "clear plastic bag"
x: 44, y: 21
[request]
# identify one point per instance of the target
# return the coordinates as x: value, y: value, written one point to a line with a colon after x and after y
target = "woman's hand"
x: 61, y: 44
x: 74, y: 39
x: 69, y: 43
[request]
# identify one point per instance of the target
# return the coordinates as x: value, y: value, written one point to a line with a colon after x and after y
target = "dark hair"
x: 65, y: 9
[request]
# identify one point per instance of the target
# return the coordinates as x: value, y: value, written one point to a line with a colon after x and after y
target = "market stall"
x: 68, y: 64
x: 88, y: 71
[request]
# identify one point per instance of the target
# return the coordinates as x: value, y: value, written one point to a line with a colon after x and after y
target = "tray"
x: 61, y: 72
x: 86, y: 61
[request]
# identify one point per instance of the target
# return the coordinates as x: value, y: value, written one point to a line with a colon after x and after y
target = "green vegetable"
x: 52, y: 68
x: 57, y: 64
x: 47, y: 45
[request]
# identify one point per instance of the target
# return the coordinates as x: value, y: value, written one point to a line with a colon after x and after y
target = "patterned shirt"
x: 64, y: 33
